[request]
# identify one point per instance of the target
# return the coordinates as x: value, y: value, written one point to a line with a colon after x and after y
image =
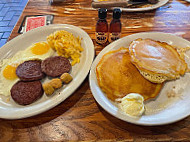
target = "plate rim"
x: 93, y: 90
x: 88, y: 63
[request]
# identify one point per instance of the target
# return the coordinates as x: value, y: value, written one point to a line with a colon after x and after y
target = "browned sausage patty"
x: 55, y: 66
x: 30, y: 70
x: 25, y: 93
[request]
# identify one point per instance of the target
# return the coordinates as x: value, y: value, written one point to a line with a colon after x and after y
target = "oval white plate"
x: 152, y: 7
x: 11, y: 110
x: 162, y: 110
x: 187, y: 0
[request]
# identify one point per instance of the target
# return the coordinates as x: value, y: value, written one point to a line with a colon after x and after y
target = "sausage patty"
x: 30, y: 70
x: 25, y: 93
x: 55, y: 66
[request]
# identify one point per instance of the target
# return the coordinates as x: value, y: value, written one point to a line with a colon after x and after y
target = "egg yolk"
x: 40, y: 48
x: 10, y: 72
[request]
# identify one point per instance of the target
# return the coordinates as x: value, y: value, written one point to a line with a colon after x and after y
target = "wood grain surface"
x: 80, y: 118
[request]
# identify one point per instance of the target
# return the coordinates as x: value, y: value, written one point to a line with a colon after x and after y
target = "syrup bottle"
x: 115, y: 25
x: 102, y: 27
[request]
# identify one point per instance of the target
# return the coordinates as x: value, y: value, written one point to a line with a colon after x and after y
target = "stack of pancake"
x: 142, y: 68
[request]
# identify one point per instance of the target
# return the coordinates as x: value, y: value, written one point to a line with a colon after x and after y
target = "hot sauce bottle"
x: 115, y: 25
x: 102, y: 27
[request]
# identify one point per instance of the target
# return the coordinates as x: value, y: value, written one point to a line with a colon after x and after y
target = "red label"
x: 34, y: 22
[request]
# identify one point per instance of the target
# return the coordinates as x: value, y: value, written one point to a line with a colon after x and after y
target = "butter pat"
x: 132, y: 104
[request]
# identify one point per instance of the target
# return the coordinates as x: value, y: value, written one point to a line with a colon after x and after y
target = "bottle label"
x: 114, y: 36
x: 101, y: 37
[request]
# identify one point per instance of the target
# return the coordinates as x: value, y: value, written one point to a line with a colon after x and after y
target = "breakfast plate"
x: 187, y: 0
x: 171, y: 105
x: 151, y: 7
x: 145, y: 8
x: 8, y: 108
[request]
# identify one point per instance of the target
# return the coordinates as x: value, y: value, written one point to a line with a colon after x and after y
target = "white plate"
x: 187, y: 0
x: 162, y: 110
x: 11, y: 110
x: 152, y: 7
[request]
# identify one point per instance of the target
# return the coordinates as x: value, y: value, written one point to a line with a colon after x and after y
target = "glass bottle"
x: 102, y: 27
x: 115, y: 26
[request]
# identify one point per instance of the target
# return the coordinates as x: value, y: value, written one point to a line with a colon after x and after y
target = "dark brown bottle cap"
x: 102, y: 13
x: 117, y: 13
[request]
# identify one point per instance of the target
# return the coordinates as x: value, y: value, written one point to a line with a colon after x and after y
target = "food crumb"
x: 8, y: 99
x: 171, y: 93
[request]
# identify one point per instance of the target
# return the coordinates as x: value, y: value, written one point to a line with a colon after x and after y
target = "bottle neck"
x: 116, y: 19
x: 102, y: 19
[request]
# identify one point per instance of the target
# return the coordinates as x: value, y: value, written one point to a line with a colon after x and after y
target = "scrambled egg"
x: 66, y: 45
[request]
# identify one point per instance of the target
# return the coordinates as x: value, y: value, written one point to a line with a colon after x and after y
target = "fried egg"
x: 8, y: 77
x: 40, y: 50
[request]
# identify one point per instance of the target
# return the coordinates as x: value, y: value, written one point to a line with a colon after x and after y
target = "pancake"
x: 117, y: 77
x: 157, y: 61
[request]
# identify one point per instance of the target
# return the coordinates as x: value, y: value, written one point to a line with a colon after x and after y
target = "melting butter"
x: 132, y: 104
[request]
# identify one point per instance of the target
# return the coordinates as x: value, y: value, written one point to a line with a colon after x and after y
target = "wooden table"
x: 80, y: 118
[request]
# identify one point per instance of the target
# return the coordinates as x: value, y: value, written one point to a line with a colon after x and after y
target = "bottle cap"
x: 117, y: 13
x: 102, y: 13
